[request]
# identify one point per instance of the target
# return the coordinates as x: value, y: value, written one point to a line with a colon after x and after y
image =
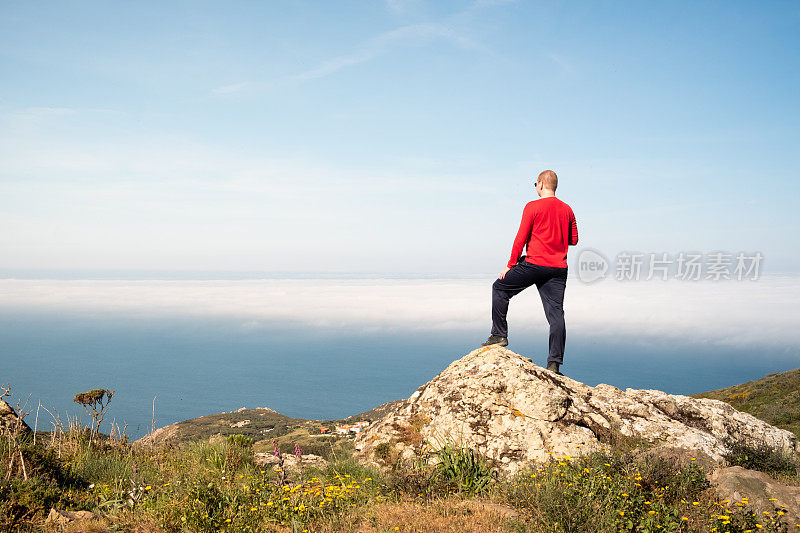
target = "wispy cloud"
x: 452, y: 29
x: 231, y: 89
x: 45, y: 111
x: 411, y: 35
x: 562, y: 61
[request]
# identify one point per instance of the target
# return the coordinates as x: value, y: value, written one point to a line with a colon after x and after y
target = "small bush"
x: 740, y: 519
x: 320, y: 446
x: 411, y: 434
x: 610, y: 491
x: 213, y: 455
x: 238, y: 452
x: 382, y: 451
x: 784, y: 419
x: 241, y: 441
x: 463, y: 470
x: 206, y: 508
x: 760, y: 456
x: 98, y: 466
x: 26, y: 500
x: 349, y: 466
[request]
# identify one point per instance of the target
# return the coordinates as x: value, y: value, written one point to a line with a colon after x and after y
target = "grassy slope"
x: 263, y: 424
x: 266, y: 426
x: 774, y: 399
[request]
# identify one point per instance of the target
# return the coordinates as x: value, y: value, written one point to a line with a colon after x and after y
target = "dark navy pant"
x: 551, y: 282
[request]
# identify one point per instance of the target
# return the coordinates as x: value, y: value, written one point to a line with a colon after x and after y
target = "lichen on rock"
x: 516, y: 413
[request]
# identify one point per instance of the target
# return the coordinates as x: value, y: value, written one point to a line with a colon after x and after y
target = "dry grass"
x: 86, y: 526
x: 411, y: 434
x: 94, y: 526
x: 146, y: 527
x: 445, y: 515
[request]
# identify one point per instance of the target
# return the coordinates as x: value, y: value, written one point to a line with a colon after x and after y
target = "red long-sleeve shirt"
x: 548, y: 227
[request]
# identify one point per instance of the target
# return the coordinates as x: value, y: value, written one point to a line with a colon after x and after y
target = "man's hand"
x: 504, y: 272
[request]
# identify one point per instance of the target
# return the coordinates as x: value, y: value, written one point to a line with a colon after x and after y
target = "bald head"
x: 549, y: 180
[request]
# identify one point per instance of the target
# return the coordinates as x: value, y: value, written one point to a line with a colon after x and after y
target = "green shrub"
x: 214, y: 455
x: 742, y: 520
x: 206, y: 508
x: 609, y: 491
x: 760, y: 456
x: 101, y: 466
x: 241, y: 441
x: 463, y: 469
x: 238, y: 452
x: 320, y: 446
x: 785, y: 418
x: 32, y: 498
x: 382, y: 451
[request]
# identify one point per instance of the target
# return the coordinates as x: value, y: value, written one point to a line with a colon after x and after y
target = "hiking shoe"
x: 552, y: 366
x: 494, y: 339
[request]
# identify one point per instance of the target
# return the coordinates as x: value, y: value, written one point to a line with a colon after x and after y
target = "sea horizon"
x: 331, y: 348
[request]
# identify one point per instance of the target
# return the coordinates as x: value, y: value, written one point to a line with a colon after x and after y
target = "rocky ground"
x: 517, y: 413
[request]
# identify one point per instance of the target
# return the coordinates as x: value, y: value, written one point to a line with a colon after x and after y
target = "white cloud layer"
x: 760, y: 313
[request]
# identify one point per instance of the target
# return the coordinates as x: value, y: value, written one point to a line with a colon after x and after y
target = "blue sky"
x: 396, y: 137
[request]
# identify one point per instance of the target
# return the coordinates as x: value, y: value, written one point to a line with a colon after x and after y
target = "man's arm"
x: 573, y: 231
x: 523, y: 235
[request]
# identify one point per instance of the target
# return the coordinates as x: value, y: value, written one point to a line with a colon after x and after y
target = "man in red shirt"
x: 548, y: 227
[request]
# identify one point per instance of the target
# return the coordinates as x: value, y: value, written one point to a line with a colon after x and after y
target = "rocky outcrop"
x: 62, y: 519
x: 10, y: 422
x: 289, y: 461
x: 735, y: 484
x: 516, y: 412
x: 161, y: 435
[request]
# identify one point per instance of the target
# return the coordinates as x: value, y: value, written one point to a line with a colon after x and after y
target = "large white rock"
x: 516, y: 412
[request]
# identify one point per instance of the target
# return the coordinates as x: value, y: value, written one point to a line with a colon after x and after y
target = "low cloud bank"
x: 758, y: 313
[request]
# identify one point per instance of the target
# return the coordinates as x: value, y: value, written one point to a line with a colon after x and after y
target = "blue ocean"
x: 199, y: 366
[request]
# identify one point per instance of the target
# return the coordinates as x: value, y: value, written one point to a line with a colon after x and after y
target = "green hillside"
x: 774, y: 399
x: 267, y: 428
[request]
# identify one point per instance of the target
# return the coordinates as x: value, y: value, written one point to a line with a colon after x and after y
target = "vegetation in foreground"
x: 218, y: 487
